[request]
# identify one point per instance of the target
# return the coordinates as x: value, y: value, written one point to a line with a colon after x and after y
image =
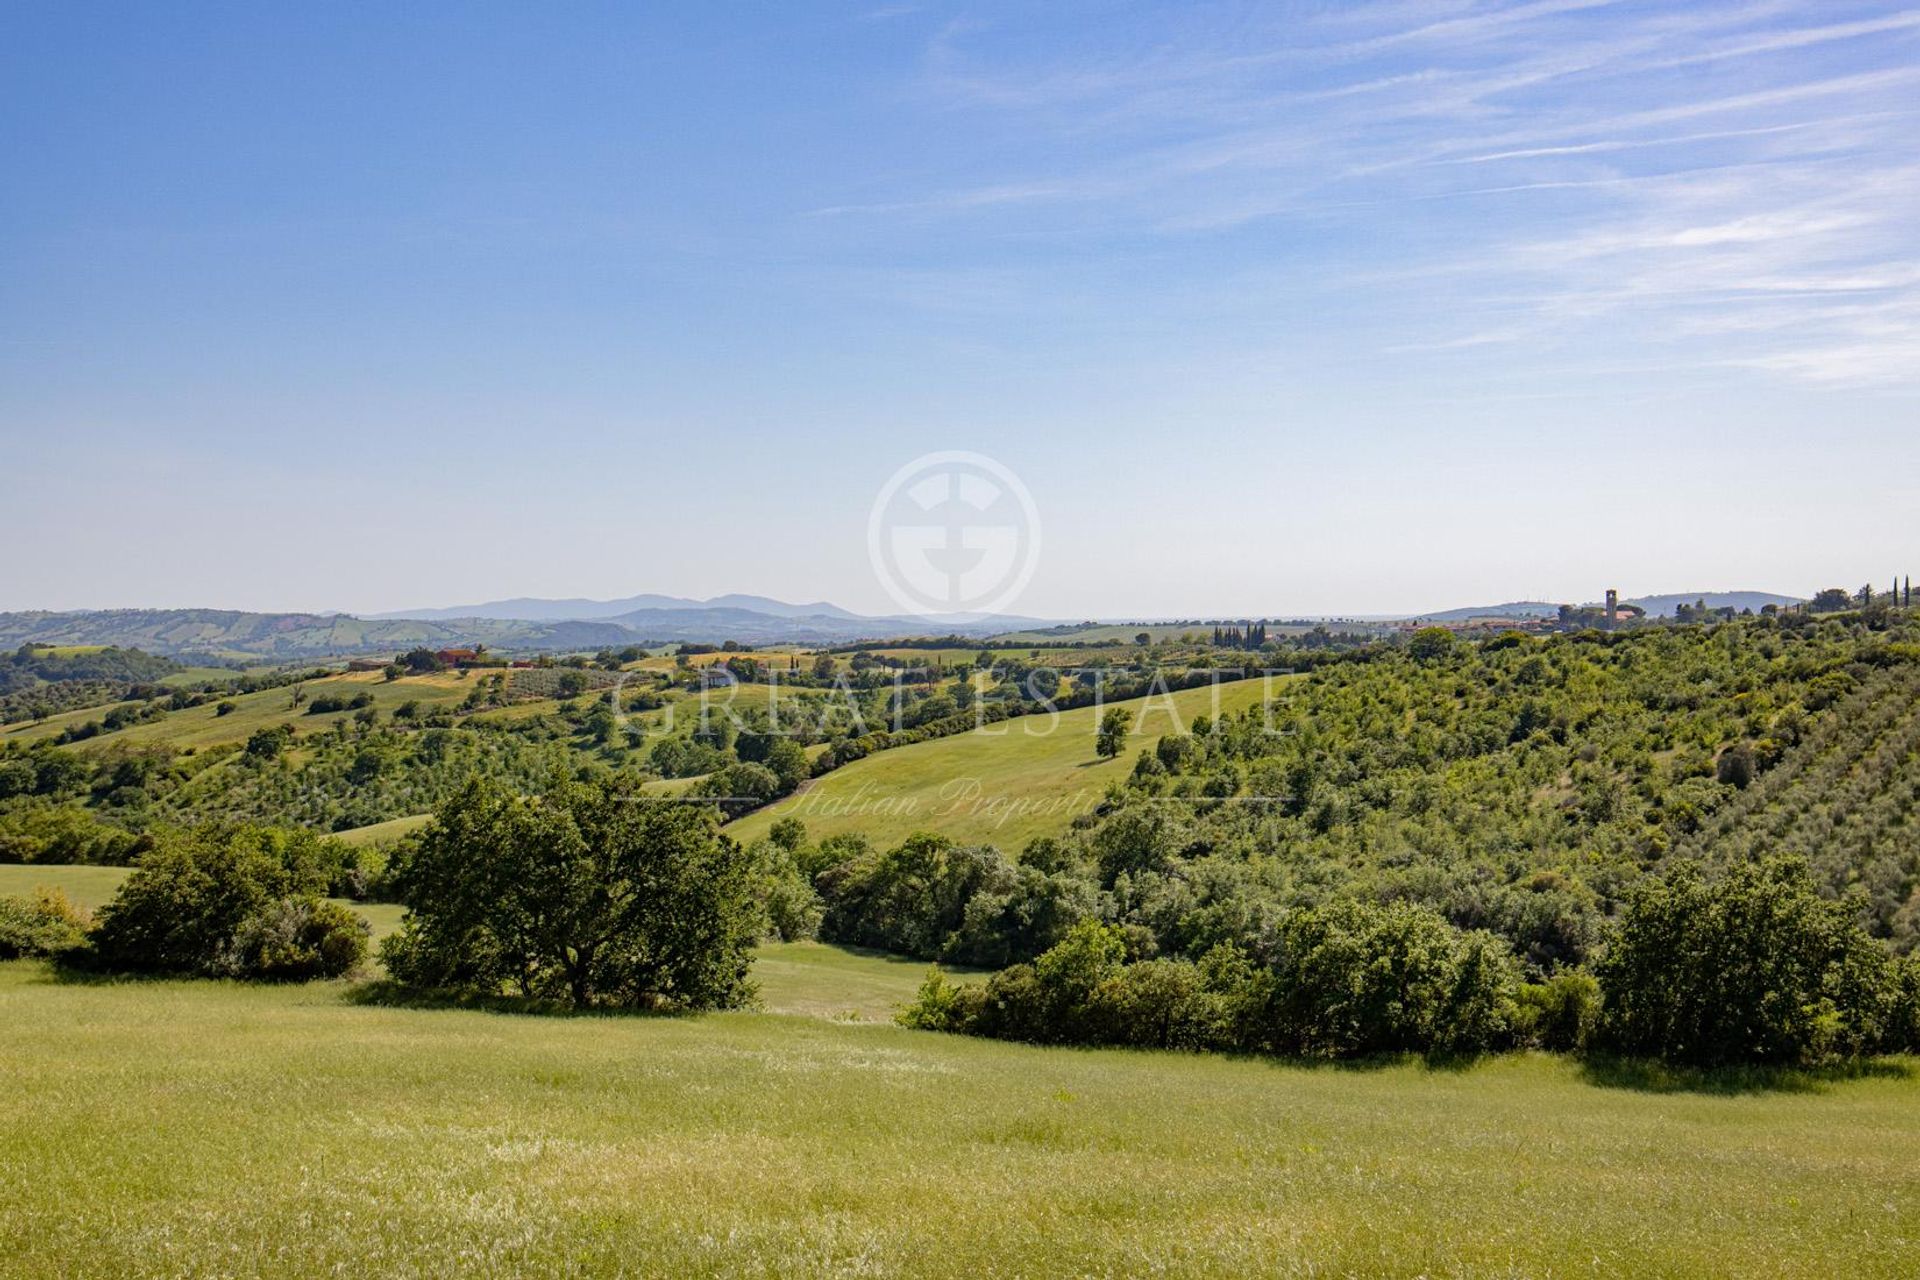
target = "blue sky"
x: 1278, y: 308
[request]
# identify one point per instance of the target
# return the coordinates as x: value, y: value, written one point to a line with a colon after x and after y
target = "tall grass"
x: 197, y: 1128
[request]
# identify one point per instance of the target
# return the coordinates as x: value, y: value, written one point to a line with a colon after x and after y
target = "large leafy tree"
x: 591, y: 893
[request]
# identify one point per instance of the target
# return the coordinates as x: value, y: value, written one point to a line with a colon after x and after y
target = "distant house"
x: 368, y: 664
x: 458, y: 657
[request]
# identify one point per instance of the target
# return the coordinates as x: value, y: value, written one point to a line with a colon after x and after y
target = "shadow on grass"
x: 78, y: 970
x: 1436, y: 1063
x: 377, y: 992
x: 1643, y: 1076
x: 385, y: 994
x: 1636, y: 1075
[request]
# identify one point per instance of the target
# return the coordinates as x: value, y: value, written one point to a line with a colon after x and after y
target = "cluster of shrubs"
x: 934, y: 899
x: 1751, y: 967
x: 121, y: 717
x: 240, y: 902
x: 329, y: 703
x: 1352, y: 979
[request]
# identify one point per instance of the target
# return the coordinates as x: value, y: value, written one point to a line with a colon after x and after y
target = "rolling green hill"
x: 1004, y: 784
x: 204, y: 726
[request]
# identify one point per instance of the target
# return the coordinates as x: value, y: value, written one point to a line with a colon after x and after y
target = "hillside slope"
x: 1002, y: 785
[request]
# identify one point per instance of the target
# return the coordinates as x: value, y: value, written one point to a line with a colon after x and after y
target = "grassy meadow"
x: 207, y: 1128
x: 1003, y: 784
x: 88, y: 887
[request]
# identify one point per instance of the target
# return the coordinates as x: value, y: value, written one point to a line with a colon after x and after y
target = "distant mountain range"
x: 538, y: 625
x: 234, y: 635
x: 530, y: 609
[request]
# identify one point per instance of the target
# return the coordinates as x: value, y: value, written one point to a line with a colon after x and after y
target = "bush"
x: 1154, y: 1004
x: 241, y: 902
x: 1354, y: 979
x: 296, y: 939
x: 1084, y: 990
x: 739, y: 788
x: 793, y: 909
x: 1902, y: 1034
x: 1753, y: 967
x: 47, y: 924
x: 942, y: 1005
x: 1001, y: 927
x: 1558, y: 1014
x: 1350, y: 979
x: 67, y: 835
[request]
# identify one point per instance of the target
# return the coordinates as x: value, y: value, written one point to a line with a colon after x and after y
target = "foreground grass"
x: 1003, y: 784
x: 205, y: 1128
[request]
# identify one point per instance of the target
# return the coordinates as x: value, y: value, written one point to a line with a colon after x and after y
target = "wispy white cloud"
x: 1588, y: 166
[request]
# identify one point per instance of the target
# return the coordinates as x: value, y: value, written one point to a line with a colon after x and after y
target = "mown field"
x: 1003, y: 784
x: 203, y: 1128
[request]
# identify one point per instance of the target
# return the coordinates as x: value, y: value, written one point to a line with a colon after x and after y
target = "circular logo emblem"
x: 953, y: 533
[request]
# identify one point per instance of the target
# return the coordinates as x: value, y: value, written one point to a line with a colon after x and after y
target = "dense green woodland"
x: 1520, y: 785
x: 1553, y: 794
x: 1523, y: 785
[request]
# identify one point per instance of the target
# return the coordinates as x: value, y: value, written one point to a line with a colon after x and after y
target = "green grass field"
x: 88, y: 887
x: 383, y: 832
x: 204, y: 1128
x: 1002, y: 785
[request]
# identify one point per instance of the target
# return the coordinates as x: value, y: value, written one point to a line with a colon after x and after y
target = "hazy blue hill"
x: 1663, y: 606
x: 225, y: 633
x: 235, y: 634
x: 537, y: 609
x: 1514, y: 609
x: 704, y: 622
